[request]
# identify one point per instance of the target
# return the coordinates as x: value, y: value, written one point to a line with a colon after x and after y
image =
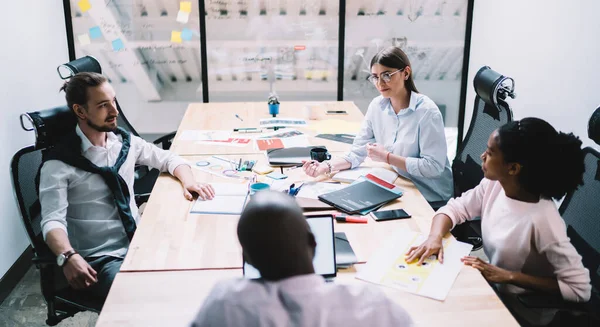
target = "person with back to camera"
x: 277, y: 240
x: 402, y: 128
x: 527, y: 164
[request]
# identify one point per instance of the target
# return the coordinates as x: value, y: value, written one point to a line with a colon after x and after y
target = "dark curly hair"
x: 552, y: 162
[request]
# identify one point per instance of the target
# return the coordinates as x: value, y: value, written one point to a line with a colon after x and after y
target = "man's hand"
x: 204, y: 191
x: 490, y: 272
x: 377, y: 152
x: 79, y: 273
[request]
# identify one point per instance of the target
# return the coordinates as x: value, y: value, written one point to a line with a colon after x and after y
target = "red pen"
x: 352, y: 219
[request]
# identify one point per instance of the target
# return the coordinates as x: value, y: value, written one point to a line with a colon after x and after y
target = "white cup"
x: 310, y: 112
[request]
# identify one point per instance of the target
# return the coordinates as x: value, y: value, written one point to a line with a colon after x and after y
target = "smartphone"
x: 276, y: 175
x: 337, y: 112
x: 390, y: 215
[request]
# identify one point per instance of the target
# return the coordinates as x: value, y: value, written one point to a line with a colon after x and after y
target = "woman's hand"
x: 433, y: 245
x: 204, y: 191
x: 314, y: 168
x: 377, y: 152
x: 490, y: 272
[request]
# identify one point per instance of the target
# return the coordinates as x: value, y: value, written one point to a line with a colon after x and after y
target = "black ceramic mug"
x: 319, y: 154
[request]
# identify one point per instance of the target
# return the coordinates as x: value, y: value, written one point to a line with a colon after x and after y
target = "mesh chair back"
x: 24, y: 168
x: 581, y: 212
x: 123, y: 122
x: 489, y: 113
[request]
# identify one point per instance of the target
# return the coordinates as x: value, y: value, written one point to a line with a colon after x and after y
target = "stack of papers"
x: 388, y: 266
x: 230, y: 199
x: 350, y: 175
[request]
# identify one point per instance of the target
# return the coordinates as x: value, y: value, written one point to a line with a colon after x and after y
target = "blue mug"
x: 274, y: 109
x: 257, y: 187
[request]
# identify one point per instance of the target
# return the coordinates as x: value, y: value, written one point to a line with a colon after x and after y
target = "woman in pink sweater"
x: 526, y: 164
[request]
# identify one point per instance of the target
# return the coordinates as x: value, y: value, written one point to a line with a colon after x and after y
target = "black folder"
x: 359, y: 197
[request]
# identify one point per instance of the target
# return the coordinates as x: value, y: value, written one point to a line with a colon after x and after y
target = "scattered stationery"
x: 350, y: 175
x: 351, y: 219
x: 229, y: 199
x: 232, y: 141
x: 363, y: 196
x: 223, y: 167
x: 262, y: 169
x: 282, y: 133
x: 279, y: 122
x: 388, y: 267
x: 248, y: 130
x: 204, y: 135
x: 281, y: 143
x: 343, y: 138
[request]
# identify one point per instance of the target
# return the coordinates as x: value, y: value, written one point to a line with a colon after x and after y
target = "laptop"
x: 324, y: 260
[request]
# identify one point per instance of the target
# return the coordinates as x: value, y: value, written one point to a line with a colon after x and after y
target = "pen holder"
x: 274, y: 109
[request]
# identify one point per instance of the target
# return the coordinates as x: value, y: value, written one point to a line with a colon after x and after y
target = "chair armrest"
x: 44, y: 260
x: 165, y: 141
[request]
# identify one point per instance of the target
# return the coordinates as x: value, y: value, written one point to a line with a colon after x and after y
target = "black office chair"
x: 145, y: 178
x: 594, y: 126
x: 489, y: 113
x: 580, y: 212
x: 25, y: 164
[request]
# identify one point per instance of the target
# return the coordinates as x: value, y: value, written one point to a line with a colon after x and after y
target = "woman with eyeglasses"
x: 402, y: 128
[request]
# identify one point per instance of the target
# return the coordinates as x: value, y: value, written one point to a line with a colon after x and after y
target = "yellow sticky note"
x: 84, y: 5
x: 176, y: 36
x: 185, y: 6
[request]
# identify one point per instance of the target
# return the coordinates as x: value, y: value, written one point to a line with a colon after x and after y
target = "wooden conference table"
x: 176, y: 257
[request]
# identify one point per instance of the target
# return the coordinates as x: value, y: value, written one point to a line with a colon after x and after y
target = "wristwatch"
x: 62, y: 258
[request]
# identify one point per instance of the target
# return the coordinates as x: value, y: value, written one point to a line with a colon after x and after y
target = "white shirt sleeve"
x: 358, y: 152
x: 468, y: 205
x: 54, y: 182
x: 432, y: 147
x: 551, y: 240
x: 151, y: 155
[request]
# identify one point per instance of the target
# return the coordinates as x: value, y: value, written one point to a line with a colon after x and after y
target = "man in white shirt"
x: 86, y: 193
x: 276, y: 239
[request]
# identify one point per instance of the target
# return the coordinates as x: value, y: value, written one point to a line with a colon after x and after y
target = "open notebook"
x: 230, y: 199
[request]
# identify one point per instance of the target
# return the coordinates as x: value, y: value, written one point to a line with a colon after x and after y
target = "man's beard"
x: 101, y: 128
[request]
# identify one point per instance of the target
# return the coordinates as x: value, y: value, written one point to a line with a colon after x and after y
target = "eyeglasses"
x: 385, y: 76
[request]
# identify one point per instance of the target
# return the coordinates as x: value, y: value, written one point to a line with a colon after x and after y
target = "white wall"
x: 552, y: 50
x: 33, y: 43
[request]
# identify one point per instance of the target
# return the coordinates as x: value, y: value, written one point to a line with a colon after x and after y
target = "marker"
x: 248, y: 130
x: 351, y: 219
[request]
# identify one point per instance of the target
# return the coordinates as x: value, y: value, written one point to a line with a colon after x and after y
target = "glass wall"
x: 432, y: 33
x: 255, y: 47
x: 150, y: 50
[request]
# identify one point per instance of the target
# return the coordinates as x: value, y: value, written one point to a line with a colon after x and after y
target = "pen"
x: 238, y: 117
x: 223, y: 159
x: 350, y: 219
x: 247, y: 130
x: 240, y: 164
